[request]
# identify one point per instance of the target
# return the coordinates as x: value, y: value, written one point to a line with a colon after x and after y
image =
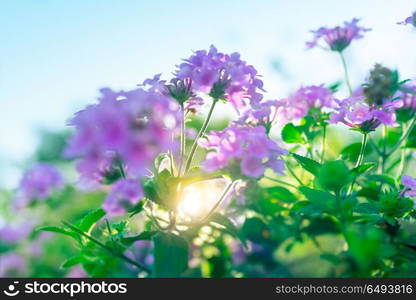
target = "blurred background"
x: 56, y: 54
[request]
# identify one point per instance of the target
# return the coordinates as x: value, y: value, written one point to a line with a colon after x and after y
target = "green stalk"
x: 217, y: 204
x: 323, y: 143
x: 183, y: 141
x: 344, y: 65
x: 359, y: 160
x: 200, y: 134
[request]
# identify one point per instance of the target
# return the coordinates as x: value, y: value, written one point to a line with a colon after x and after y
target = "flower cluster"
x: 409, y: 186
x: 355, y: 112
x: 248, y: 148
x: 338, y: 38
x: 127, y: 129
x: 222, y: 76
x: 407, y: 94
x: 124, y: 194
x: 299, y: 104
x: 38, y: 183
x: 409, y: 20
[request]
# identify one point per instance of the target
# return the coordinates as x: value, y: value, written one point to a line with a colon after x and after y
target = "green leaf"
x: 308, y: 164
x: 144, y: 236
x: 362, y: 168
x: 321, y: 225
x: 282, y: 194
x: 322, y: 199
x: 382, y: 179
x: 87, y: 222
x: 170, y: 254
x: 58, y: 230
x: 333, y: 175
x: 292, y: 134
x: 74, y: 260
x: 254, y: 229
x: 335, y: 260
x: 366, y: 208
x: 229, y: 226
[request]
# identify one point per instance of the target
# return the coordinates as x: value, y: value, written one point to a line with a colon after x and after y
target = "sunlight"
x: 199, y: 198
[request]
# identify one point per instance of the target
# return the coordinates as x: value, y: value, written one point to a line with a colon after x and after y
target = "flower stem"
x: 323, y: 143
x: 200, y: 134
x: 359, y: 160
x: 281, y: 182
x: 347, y: 78
x: 362, y: 150
x: 183, y: 141
x: 403, y: 138
x: 218, y: 203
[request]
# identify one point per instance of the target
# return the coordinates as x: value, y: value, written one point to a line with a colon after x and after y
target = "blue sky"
x: 56, y: 54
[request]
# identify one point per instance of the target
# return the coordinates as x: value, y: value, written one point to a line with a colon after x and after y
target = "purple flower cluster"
x: 38, y: 183
x: 407, y: 94
x: 222, y: 75
x: 12, y: 265
x: 409, y: 20
x: 338, y: 38
x: 355, y: 112
x: 409, y: 186
x: 128, y: 127
x: 12, y: 234
x: 299, y: 104
x: 125, y: 193
x: 247, y: 147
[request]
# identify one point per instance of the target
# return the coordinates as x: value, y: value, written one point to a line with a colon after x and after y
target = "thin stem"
x: 347, y: 78
x: 359, y: 160
x: 183, y: 141
x: 112, y: 251
x: 384, y: 149
x: 200, y: 134
x: 121, y: 169
x: 362, y: 150
x: 218, y: 203
x: 402, y: 162
x: 403, y: 138
x: 323, y: 143
x: 110, y: 233
x: 294, y: 175
x: 281, y: 182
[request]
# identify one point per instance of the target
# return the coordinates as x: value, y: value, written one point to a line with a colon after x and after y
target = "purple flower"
x: 298, y: 105
x: 125, y: 193
x: 76, y: 272
x: 223, y: 76
x: 38, y: 183
x: 409, y: 186
x: 12, y: 265
x: 409, y: 20
x: 247, y: 147
x: 356, y: 113
x: 13, y: 234
x: 338, y: 38
x: 260, y: 114
x: 407, y: 94
x: 128, y: 127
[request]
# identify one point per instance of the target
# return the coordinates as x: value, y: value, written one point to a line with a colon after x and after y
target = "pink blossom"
x: 222, y: 75
x: 298, y: 105
x: 125, y: 193
x: 356, y: 113
x: 248, y: 147
x: 409, y: 20
x: 129, y: 127
x: 338, y: 38
x: 410, y: 186
x: 38, y: 183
